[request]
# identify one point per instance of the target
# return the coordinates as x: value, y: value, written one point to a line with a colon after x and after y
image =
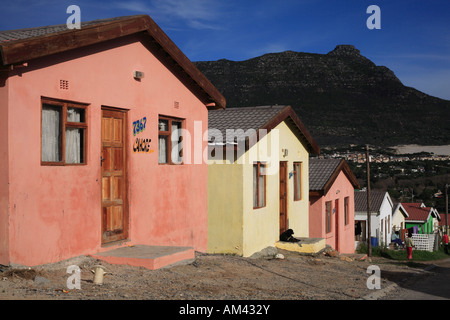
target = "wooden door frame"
x: 286, y: 217
x: 126, y: 218
x: 363, y: 237
x: 336, y: 224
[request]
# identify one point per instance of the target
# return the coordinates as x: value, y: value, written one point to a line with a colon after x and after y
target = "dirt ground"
x: 209, y: 277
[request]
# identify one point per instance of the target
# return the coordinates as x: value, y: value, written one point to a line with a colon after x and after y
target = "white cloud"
x: 196, y: 14
x: 135, y: 6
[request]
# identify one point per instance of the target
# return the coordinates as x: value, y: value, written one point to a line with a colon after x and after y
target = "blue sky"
x: 414, y: 39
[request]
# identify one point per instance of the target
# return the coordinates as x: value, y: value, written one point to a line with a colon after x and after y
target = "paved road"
x: 434, y: 285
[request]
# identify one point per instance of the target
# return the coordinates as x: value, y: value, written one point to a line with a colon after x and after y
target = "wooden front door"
x: 283, y: 197
x: 114, y: 176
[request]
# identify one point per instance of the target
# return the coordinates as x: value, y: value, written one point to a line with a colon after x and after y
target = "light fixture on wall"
x: 285, y: 152
x: 138, y: 75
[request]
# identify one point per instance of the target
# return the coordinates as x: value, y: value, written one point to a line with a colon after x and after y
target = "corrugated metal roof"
x: 23, y: 45
x: 28, y: 33
x: 320, y: 171
x: 219, y: 121
x: 376, y: 199
x: 416, y: 212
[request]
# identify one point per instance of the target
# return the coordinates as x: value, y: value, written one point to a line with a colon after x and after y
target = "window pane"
x: 255, y: 185
x: 51, y: 133
x: 176, y: 142
x: 74, y: 152
x: 328, y: 216
x: 162, y: 147
x: 262, y: 189
x: 75, y: 115
x: 163, y: 125
x: 297, y: 181
x: 262, y: 169
x: 346, y: 210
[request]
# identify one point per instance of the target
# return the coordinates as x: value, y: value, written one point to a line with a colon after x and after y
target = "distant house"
x: 381, y: 206
x: 332, y: 206
x: 87, y: 121
x: 424, y: 219
x: 257, y: 178
x: 436, y: 220
x: 443, y: 227
x: 399, y: 215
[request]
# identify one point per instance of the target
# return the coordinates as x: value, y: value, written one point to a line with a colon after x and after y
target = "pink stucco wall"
x: 55, y: 212
x: 340, y: 189
x: 4, y: 190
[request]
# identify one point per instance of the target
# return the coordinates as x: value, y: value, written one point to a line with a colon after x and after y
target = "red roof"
x: 416, y: 212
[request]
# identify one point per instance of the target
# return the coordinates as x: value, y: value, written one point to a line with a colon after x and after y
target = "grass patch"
x: 400, y: 255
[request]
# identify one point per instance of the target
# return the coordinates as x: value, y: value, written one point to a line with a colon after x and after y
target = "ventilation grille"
x: 176, y: 105
x: 64, y: 84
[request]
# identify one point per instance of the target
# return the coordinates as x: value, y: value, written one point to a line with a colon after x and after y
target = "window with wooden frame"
x: 170, y: 139
x: 63, y: 132
x: 346, y: 212
x: 328, y: 216
x: 389, y: 224
x: 259, y: 185
x: 297, y: 181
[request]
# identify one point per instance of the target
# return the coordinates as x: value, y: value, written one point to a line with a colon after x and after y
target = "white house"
x: 398, y: 217
x: 381, y: 206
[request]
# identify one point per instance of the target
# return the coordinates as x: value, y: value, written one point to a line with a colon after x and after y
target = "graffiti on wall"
x: 141, y: 145
x: 139, y: 126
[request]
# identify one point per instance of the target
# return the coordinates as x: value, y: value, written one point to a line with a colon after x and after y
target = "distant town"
x: 357, y: 154
x: 377, y: 157
x: 419, y: 176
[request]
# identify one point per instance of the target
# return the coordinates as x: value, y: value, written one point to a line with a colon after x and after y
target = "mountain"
x: 342, y: 97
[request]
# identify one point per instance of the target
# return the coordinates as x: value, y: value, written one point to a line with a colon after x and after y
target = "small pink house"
x: 93, y: 158
x: 332, y: 205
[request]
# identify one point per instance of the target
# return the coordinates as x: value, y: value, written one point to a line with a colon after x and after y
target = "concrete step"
x: 305, y: 246
x: 150, y: 257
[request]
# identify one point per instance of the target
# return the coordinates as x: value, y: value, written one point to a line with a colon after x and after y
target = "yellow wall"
x: 261, y: 226
x: 398, y: 219
x: 225, y: 208
x: 233, y: 225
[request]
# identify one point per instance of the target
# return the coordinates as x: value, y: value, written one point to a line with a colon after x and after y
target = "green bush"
x: 417, y: 255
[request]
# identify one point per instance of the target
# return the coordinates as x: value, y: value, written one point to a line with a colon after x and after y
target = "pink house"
x: 92, y: 158
x: 332, y: 205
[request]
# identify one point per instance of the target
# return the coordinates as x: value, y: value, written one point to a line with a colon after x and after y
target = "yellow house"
x: 257, y: 178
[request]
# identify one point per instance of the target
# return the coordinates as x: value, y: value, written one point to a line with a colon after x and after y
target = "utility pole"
x: 369, y: 235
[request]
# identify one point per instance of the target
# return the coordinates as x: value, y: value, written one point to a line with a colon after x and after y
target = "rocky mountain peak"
x: 345, y: 50
x: 342, y: 97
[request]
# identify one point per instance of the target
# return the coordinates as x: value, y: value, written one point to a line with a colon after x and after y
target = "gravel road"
x: 210, y: 277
